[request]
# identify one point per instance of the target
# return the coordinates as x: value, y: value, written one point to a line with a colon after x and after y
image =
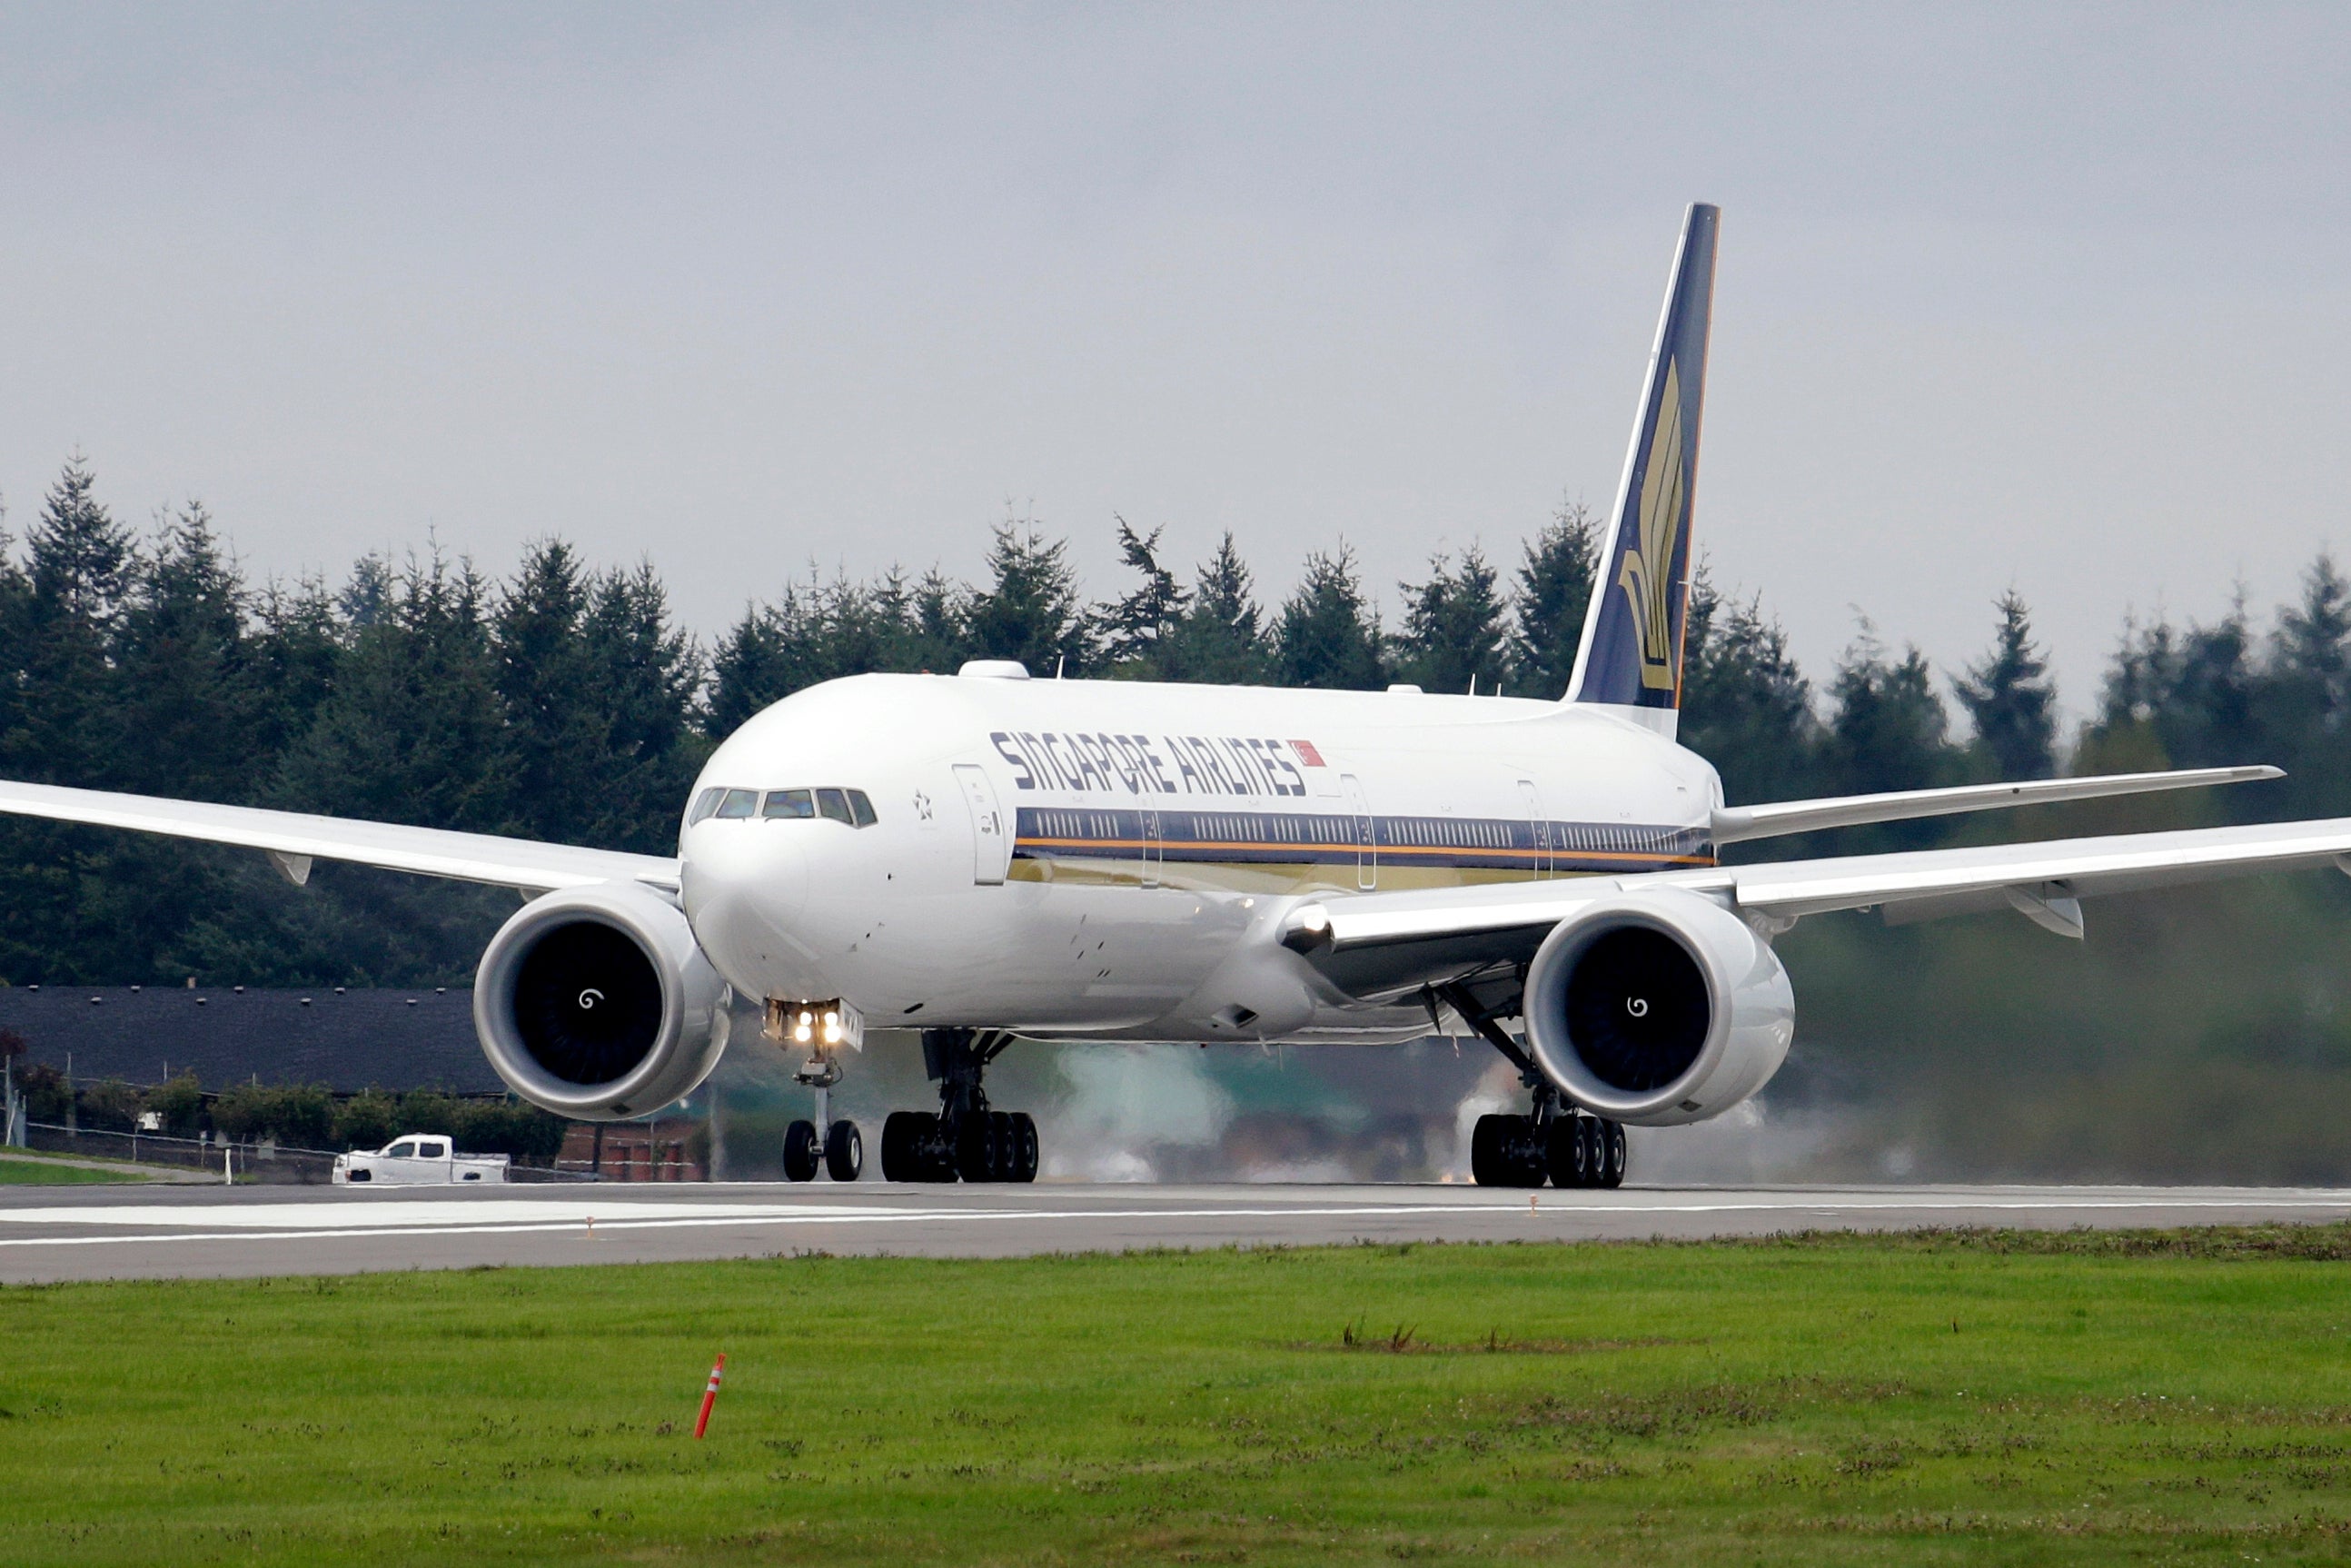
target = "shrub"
x: 368, y: 1119
x: 111, y: 1104
x: 300, y: 1115
x: 181, y: 1103
x: 44, y: 1089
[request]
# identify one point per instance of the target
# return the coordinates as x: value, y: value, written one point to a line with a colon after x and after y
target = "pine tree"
x: 414, y: 730
x: 1453, y: 629
x: 644, y: 676
x: 79, y: 568
x: 1549, y: 604
x: 1138, y: 627
x: 187, y: 690
x: 1886, y: 728
x: 2303, y: 704
x: 295, y: 652
x: 1031, y: 609
x: 1221, y: 639
x: 554, y: 727
x: 1746, y: 707
x: 2011, y: 700
x: 1327, y: 636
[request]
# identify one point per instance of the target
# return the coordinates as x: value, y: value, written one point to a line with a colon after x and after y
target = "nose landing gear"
x: 1561, y: 1141
x: 841, y: 1149
x: 965, y: 1139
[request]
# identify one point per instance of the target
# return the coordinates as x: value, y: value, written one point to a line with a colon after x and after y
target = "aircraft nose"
x: 744, y: 885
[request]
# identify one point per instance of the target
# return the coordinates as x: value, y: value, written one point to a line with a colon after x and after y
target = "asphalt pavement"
x: 104, y: 1233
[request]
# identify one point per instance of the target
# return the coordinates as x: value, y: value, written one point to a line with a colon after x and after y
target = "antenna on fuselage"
x: 1058, y: 662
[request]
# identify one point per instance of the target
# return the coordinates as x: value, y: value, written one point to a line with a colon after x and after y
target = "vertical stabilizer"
x: 1630, y: 660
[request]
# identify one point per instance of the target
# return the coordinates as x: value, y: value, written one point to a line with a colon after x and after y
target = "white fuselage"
x: 1093, y: 857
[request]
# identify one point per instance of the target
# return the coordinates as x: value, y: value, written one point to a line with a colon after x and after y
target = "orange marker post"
x: 710, y: 1396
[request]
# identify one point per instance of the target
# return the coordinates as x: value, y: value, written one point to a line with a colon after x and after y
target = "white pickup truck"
x: 418, y: 1159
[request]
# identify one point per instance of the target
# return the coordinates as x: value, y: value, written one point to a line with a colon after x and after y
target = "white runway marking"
x: 303, y: 1221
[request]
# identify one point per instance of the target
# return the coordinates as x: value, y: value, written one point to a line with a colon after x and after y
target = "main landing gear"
x: 1559, y: 1142
x: 964, y: 1139
x: 841, y: 1150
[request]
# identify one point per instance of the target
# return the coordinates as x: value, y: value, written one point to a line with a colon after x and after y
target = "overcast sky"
x: 2037, y: 297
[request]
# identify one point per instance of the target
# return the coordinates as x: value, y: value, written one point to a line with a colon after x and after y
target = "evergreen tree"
x: 1887, y: 728
x: 1327, y: 636
x: 1220, y: 638
x: 1746, y: 707
x: 15, y: 634
x: 188, y: 695
x: 555, y: 731
x: 1138, y: 627
x: 79, y: 568
x: 1549, y: 604
x: 2303, y: 705
x: 2011, y: 698
x: 643, y: 676
x: 1031, y: 609
x: 1453, y: 628
x: 414, y: 730
x: 294, y: 653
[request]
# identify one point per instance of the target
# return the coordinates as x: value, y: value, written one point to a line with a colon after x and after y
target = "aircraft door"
x: 1367, y: 848
x: 1154, y: 847
x: 1540, y: 824
x: 991, y: 836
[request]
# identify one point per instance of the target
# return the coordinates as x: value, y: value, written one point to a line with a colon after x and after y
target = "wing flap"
x: 293, y: 840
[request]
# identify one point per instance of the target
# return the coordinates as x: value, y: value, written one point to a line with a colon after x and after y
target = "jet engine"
x: 596, y: 1003
x: 1657, y: 1007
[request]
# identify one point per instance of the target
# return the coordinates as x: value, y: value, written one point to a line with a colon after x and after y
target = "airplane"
x: 987, y: 857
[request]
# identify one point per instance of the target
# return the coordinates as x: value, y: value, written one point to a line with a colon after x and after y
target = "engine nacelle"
x: 596, y: 1003
x: 1658, y: 1008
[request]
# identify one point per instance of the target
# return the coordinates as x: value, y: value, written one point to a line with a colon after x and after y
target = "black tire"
x: 976, y: 1155
x: 1024, y: 1135
x: 845, y: 1152
x: 1487, y: 1165
x: 799, y: 1152
x: 1612, y: 1170
x: 1530, y: 1156
x: 905, y: 1156
x: 1567, y: 1152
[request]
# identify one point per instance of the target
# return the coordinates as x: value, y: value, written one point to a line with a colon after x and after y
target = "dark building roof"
x: 345, y: 1040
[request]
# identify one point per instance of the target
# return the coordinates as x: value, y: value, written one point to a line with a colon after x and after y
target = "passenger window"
x: 790, y: 803
x: 400, y: 1152
x: 738, y: 803
x: 860, y: 808
x: 834, y: 806
x: 432, y: 1151
x: 704, y: 804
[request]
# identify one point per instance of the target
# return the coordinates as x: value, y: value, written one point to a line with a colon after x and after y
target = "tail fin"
x: 1631, y: 657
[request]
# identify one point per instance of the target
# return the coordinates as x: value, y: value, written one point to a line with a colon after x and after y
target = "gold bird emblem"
x: 1647, y: 576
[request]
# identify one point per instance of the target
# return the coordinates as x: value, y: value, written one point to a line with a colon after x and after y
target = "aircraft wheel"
x: 845, y: 1152
x: 1487, y: 1165
x: 906, y: 1138
x: 1612, y: 1169
x: 1528, y: 1156
x: 978, y: 1155
x: 1024, y: 1133
x: 1569, y: 1152
x: 799, y: 1152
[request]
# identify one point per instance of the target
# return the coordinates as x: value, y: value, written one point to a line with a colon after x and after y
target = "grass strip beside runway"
x: 17, y: 1172
x: 2174, y: 1396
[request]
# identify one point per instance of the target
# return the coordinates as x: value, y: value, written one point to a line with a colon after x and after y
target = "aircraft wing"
x: 293, y: 840
x: 1375, y: 942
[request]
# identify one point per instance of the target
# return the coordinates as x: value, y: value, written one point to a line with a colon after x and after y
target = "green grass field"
x: 1979, y: 1398
x: 18, y: 1170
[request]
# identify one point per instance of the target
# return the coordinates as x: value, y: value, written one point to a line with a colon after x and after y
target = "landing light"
x: 819, y: 1025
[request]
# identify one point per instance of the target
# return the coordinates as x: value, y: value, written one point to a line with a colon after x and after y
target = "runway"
x: 106, y: 1233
